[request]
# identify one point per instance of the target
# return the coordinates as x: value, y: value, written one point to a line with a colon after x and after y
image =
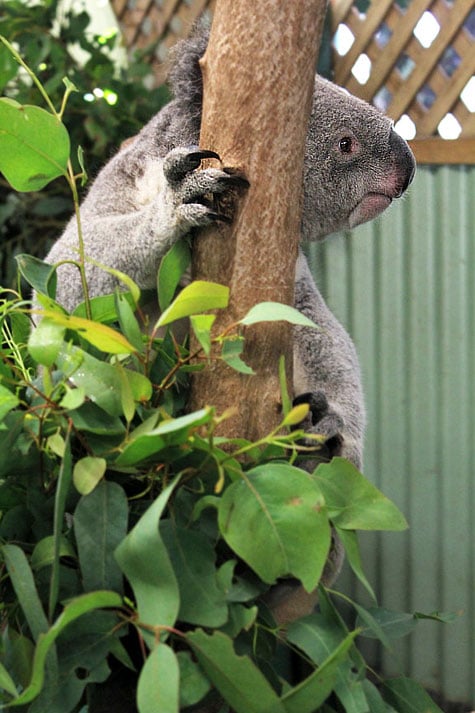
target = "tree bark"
x: 258, y: 75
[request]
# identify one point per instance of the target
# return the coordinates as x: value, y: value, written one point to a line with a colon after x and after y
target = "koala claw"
x: 184, y: 159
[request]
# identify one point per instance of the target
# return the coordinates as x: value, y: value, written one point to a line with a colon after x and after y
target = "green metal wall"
x: 404, y: 286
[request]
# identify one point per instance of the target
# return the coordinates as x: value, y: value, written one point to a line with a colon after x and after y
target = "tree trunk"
x: 258, y: 75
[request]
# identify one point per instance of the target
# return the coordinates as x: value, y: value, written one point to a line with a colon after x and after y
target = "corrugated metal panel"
x: 405, y: 288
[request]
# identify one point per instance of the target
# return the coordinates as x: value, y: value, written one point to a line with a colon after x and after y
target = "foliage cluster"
x: 133, y: 538
x: 120, y: 101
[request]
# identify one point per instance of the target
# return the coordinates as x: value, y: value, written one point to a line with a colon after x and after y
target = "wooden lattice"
x: 424, y: 84
x: 405, y: 79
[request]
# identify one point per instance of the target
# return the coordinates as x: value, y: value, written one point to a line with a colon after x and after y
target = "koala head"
x: 355, y: 163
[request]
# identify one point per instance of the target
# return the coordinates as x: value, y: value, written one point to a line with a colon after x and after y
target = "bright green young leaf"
x: 193, y: 558
x: 231, y: 353
x: 171, y: 269
x: 349, y: 541
x: 99, y: 335
x: 237, y: 678
x: 199, y: 296
x: 62, y: 491
x: 34, y: 146
x: 353, y: 502
x: 296, y: 415
x: 158, y: 685
x: 131, y: 286
x: 7, y: 401
x: 173, y: 431
x: 39, y: 274
x: 144, y: 560
x: 100, y: 525
x: 408, y: 696
x: 45, y: 342
x: 276, y: 312
x: 73, y: 398
x: 87, y: 473
x: 274, y: 518
x: 72, y: 611
x: 201, y: 325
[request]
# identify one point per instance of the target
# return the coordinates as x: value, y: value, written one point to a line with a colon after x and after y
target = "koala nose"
x: 404, y: 159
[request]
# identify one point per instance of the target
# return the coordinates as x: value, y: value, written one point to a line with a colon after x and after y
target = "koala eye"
x: 346, y: 144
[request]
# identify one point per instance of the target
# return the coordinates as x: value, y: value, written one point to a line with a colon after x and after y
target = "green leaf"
x: 100, y: 525
x: 34, y: 146
x: 45, y: 551
x: 237, y: 678
x: 296, y: 415
x: 101, y: 381
x: 39, y: 274
x: 45, y: 342
x: 276, y: 312
x: 144, y: 560
x: 76, y: 608
x: 171, y: 269
x: 87, y: 473
x: 7, y: 683
x: 128, y: 322
x: 274, y: 518
x: 158, y: 684
x: 407, y: 696
x: 394, y: 624
x: 193, y: 683
x: 193, y: 558
x: 201, y: 325
x: 231, y: 353
x: 353, y: 502
x: 7, y: 401
x: 25, y: 589
x: 199, y: 296
x: 308, y: 695
x: 99, y: 335
x: 349, y: 540
x: 173, y: 431
x: 61, y: 494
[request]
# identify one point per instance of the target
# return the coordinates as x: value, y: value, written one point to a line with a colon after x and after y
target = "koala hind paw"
x: 321, y: 420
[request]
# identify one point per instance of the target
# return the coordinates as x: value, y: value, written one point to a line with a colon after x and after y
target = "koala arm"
x: 131, y: 230
x: 326, y: 368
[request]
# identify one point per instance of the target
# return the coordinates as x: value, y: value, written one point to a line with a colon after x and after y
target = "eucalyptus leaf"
x: 349, y: 540
x: 201, y: 325
x: 34, y: 146
x: 274, y: 518
x: 158, y: 684
x: 193, y: 683
x: 8, y: 401
x: 236, y: 677
x: 199, y: 296
x: 100, y: 525
x: 172, y: 267
x: 193, y: 556
x: 99, y: 335
x: 276, y: 312
x: 144, y: 560
x: 232, y: 348
x: 408, y: 696
x: 353, y: 502
x: 46, y: 341
x: 39, y: 274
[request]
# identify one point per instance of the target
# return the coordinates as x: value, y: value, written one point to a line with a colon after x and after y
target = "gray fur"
x: 149, y: 195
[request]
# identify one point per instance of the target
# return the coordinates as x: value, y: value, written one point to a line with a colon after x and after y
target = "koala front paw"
x: 195, y: 191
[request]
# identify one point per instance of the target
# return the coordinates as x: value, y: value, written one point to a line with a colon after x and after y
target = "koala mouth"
x: 371, y: 205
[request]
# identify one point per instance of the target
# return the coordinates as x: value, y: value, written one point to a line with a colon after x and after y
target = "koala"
x: 151, y: 194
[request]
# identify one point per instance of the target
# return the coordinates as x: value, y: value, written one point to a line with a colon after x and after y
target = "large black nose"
x: 404, y: 159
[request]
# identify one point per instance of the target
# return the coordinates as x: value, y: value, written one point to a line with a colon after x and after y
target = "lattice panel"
x: 413, y: 59
x: 146, y: 22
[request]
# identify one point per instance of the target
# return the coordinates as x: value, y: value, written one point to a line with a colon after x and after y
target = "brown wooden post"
x: 258, y: 80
